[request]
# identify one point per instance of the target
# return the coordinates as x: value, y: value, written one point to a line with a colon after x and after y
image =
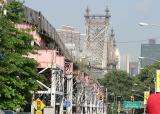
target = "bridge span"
x: 67, y: 87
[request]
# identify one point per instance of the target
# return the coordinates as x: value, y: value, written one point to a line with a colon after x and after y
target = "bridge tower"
x: 97, y: 34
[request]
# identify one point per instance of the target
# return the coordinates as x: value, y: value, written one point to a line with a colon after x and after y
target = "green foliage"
x: 112, y: 108
x: 15, y: 11
x: 147, y: 75
x: 118, y: 83
x: 18, y: 74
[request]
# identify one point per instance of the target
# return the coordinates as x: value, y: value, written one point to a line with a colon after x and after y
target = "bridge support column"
x: 70, y: 92
x: 32, y: 105
x: 81, y: 110
x: 61, y: 105
x: 101, y: 107
x: 85, y: 102
x: 97, y: 106
x: 53, y: 89
x: 91, y: 105
x: 94, y: 104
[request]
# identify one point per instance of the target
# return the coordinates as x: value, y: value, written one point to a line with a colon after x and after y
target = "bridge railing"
x: 44, y: 27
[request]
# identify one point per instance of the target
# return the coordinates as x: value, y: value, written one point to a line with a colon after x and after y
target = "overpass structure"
x: 67, y: 88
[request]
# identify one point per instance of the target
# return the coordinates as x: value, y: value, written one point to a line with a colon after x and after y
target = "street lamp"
x: 147, y: 24
x: 140, y: 58
x: 143, y: 24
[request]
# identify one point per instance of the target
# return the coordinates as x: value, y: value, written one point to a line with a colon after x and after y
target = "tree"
x: 119, y: 83
x: 147, y: 76
x: 15, y: 11
x: 145, y: 81
x: 18, y: 74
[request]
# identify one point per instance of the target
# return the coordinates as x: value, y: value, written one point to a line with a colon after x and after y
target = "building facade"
x: 133, y: 68
x: 149, y: 51
x: 73, y: 40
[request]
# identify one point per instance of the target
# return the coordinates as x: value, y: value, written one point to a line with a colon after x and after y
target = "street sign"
x: 38, y: 112
x: 158, y: 81
x: 134, y: 104
x: 146, y: 95
x: 39, y: 105
x: 67, y: 103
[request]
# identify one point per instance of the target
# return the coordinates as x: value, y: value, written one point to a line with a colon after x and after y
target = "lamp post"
x: 140, y: 58
x: 147, y: 24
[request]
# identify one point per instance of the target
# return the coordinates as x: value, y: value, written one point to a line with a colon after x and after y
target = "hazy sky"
x: 125, y: 16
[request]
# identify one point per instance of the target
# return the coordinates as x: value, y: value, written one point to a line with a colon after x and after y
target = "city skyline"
x: 125, y: 16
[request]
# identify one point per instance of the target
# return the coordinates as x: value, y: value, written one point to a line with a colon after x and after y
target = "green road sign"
x: 134, y: 104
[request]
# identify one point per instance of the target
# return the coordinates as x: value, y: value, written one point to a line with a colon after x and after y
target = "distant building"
x: 117, y: 54
x: 82, y: 44
x: 151, y: 50
x: 133, y: 68
x: 152, y: 41
x: 127, y: 64
x: 73, y: 40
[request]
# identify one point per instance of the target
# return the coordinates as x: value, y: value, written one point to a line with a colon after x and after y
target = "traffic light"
x: 38, y: 105
x: 132, y: 98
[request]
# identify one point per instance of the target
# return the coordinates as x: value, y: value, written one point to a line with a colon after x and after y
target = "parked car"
x: 7, y: 112
x: 122, y: 112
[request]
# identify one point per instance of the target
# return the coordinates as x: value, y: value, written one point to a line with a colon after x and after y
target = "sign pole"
x: 144, y: 109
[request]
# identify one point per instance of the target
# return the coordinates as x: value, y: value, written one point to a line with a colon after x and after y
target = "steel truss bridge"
x: 67, y: 88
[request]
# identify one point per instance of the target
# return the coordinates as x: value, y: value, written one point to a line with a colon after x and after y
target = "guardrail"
x: 45, y: 28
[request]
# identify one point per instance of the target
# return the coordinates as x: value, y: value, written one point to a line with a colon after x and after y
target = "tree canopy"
x: 147, y: 76
x: 18, y: 74
x: 118, y: 83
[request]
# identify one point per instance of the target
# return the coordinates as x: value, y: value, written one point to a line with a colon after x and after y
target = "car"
x: 7, y: 112
x: 122, y: 112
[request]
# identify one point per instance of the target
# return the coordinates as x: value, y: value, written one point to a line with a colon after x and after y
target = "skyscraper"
x: 149, y: 51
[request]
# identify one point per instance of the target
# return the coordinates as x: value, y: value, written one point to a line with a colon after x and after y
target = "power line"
x: 137, y: 41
